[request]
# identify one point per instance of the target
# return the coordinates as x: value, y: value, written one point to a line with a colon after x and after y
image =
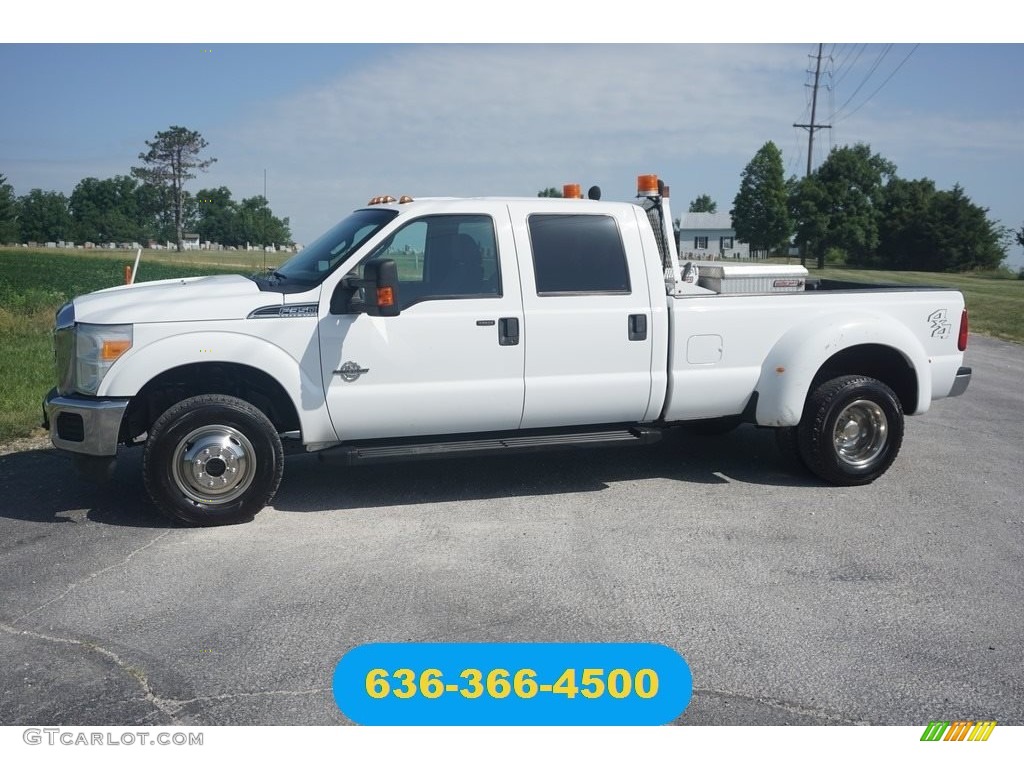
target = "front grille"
x: 64, y: 356
x: 70, y: 427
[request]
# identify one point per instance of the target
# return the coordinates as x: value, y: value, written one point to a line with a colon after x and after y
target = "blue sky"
x: 333, y: 125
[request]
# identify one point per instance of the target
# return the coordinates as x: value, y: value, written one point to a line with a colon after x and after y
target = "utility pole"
x: 263, y: 234
x: 811, y: 128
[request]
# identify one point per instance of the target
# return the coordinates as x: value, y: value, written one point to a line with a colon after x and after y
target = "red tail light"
x: 961, y: 342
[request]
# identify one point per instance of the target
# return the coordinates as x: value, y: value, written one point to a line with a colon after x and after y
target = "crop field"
x: 33, y: 285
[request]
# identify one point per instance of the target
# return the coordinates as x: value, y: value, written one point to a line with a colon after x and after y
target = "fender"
x: 791, y: 365
x: 129, y: 374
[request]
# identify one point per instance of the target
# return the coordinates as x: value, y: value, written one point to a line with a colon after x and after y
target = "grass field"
x: 33, y: 284
x: 995, y: 304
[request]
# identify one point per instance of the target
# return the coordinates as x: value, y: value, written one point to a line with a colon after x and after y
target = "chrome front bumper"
x: 84, y: 425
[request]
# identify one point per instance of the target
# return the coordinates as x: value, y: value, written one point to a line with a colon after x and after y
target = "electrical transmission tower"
x: 811, y: 128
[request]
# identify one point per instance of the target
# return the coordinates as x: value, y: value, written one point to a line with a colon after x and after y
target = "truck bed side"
x: 723, y: 348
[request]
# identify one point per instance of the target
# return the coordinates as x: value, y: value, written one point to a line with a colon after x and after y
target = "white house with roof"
x: 709, y: 236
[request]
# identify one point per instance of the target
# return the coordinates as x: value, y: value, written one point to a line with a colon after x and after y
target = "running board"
x: 378, y: 452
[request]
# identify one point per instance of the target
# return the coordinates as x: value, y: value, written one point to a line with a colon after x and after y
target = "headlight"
x: 97, y: 347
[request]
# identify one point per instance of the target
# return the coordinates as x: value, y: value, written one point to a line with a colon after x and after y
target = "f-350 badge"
x: 940, y: 324
x: 351, y: 371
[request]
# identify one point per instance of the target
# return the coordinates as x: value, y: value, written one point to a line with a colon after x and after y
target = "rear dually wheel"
x: 851, y: 430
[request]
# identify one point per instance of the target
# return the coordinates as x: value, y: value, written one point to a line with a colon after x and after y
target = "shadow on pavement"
x: 43, y: 486
x: 747, y: 455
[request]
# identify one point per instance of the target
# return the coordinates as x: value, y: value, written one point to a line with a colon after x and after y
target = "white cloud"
x: 468, y: 120
x: 509, y: 120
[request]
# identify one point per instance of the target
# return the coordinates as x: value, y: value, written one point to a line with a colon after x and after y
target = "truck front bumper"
x: 83, y: 424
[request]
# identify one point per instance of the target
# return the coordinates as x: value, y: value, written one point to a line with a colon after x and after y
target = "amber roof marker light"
x: 647, y: 185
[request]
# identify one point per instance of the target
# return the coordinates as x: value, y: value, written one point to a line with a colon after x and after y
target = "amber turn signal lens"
x: 386, y: 297
x: 114, y: 348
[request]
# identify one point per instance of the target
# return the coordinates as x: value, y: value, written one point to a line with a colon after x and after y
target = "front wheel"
x: 851, y: 430
x: 212, y: 460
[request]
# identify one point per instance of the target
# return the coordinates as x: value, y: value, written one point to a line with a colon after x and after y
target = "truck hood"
x: 218, y: 297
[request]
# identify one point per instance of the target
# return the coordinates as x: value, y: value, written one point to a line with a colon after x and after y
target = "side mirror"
x: 376, y: 294
x: 380, y: 279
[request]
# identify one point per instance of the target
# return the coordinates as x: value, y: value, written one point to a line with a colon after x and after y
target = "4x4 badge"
x: 351, y: 371
x: 940, y: 324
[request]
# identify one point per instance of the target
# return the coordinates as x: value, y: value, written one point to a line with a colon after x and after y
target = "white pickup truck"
x: 446, y: 327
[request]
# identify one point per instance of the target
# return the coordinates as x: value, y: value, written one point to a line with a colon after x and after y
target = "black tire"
x: 851, y: 430
x: 212, y: 460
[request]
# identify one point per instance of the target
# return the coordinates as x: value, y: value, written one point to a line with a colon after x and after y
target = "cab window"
x: 577, y: 254
x: 444, y: 257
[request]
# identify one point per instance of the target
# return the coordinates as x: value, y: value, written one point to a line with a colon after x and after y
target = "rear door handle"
x: 508, y: 331
x: 637, y: 327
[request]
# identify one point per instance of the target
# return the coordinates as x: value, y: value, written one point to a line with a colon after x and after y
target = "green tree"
x: 964, y: 237
x: 156, y: 212
x: 172, y: 159
x: 107, y: 210
x: 8, y: 212
x: 218, y: 216
x: 905, y: 233
x: 549, y: 192
x: 838, y: 204
x: 1019, y: 236
x: 44, y: 216
x: 258, y: 224
x: 760, y: 212
x: 703, y: 204
x: 921, y: 228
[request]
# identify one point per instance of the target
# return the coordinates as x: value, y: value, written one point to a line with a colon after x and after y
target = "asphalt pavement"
x: 793, y: 602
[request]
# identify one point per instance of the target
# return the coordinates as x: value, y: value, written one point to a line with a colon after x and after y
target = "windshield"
x: 310, y: 265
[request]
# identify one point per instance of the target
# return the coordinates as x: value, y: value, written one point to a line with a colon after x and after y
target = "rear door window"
x: 577, y: 254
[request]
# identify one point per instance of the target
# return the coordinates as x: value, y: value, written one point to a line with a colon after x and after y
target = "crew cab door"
x: 589, y: 325
x: 452, y: 360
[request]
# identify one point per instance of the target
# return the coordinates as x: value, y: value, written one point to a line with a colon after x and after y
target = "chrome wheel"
x: 851, y: 430
x: 212, y: 460
x: 214, y: 464
x: 860, y: 433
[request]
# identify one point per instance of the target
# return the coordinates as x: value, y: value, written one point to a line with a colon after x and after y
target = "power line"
x: 891, y: 75
x: 839, y: 67
x: 795, y: 156
x: 878, y: 60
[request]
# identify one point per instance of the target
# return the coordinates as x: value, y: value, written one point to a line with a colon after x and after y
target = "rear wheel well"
x: 877, y: 361
x: 242, y: 381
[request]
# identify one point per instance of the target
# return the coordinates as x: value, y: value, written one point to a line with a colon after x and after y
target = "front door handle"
x: 637, y: 327
x: 508, y: 331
